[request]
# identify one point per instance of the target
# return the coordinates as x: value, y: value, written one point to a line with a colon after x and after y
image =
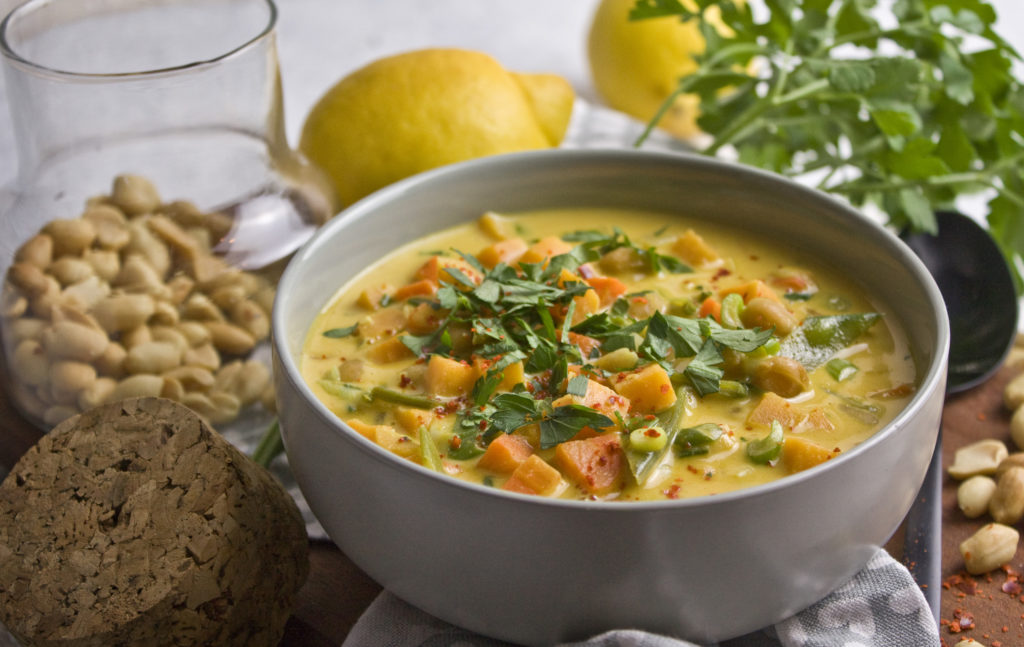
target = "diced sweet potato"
x: 412, y: 419
x: 533, y: 476
x: 544, y: 249
x: 599, y: 397
x: 496, y: 226
x: 608, y: 289
x: 421, y: 288
x: 510, y: 376
x: 774, y: 407
x: 394, y: 441
x: 504, y: 251
x: 799, y: 454
x: 388, y: 350
x: 423, y: 319
x: 435, y: 270
x: 448, y: 378
x: 751, y: 289
x: 694, y: 250
x: 383, y: 323
x: 371, y: 297
x: 597, y: 465
x: 366, y: 429
x: 505, y: 453
x: 648, y: 389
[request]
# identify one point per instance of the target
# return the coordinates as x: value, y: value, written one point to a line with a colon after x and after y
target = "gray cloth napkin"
x: 881, y: 606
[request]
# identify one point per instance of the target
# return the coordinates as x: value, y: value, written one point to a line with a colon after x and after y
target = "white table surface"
x: 319, y: 41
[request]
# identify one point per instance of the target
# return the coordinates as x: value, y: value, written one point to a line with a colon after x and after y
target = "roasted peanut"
x: 138, y: 386
x: 69, y: 269
x: 1013, y: 393
x: 96, y: 393
x: 195, y: 332
x: 982, y: 457
x: 71, y: 340
x: 28, y: 278
x: 14, y: 305
x: 782, y: 375
x: 26, y: 328
x: 148, y: 245
x: 762, y: 312
x: 1007, y: 504
x: 105, y: 264
x: 992, y: 546
x: 134, y: 194
x: 152, y: 357
x: 1017, y: 428
x: 29, y: 362
x: 252, y: 318
x: 229, y: 338
x: 135, y: 336
x: 192, y: 378
x: 111, y: 360
x: 71, y: 376
x: 70, y: 237
x: 974, y: 494
x: 165, y: 314
x: 204, y: 355
x: 37, y: 251
x: 85, y: 294
x: 1016, y: 459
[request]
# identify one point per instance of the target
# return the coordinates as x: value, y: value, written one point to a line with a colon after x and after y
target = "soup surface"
x: 607, y: 354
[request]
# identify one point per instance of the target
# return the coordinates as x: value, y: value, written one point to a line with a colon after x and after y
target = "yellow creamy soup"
x: 599, y: 353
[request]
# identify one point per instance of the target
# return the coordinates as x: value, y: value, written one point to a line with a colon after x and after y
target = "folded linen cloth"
x: 881, y: 606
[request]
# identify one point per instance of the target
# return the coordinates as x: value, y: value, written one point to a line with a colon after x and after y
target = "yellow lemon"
x: 636, y: 65
x: 417, y: 110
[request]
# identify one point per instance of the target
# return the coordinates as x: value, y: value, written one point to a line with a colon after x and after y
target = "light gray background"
x: 320, y: 41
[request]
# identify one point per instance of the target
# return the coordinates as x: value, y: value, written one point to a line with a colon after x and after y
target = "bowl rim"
x: 930, y: 384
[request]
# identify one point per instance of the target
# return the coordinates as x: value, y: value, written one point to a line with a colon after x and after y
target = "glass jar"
x: 180, y: 96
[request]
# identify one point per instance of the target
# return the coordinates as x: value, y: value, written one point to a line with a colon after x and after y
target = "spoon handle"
x: 922, y: 545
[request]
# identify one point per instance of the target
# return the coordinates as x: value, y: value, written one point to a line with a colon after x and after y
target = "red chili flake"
x: 672, y: 492
x: 1012, y: 587
x: 404, y: 380
x: 692, y: 469
x: 651, y: 433
x: 963, y: 619
x: 982, y: 416
x: 455, y: 442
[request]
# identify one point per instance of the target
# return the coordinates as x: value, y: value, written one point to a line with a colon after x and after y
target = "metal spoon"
x: 982, y: 304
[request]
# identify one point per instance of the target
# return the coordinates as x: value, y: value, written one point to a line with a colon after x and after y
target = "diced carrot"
x: 608, y: 289
x: 596, y: 464
x: 371, y: 297
x: 511, y: 375
x: 799, y: 454
x: 421, y: 288
x: 586, y: 344
x: 533, y: 476
x: 448, y: 377
x: 649, y: 389
x: 435, y: 270
x: 544, y: 249
x: 388, y: 350
x: 694, y: 250
x: 751, y: 289
x: 710, y: 307
x: 505, y: 453
x: 504, y: 251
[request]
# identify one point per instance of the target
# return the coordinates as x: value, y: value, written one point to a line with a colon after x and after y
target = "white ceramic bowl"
x: 539, y: 571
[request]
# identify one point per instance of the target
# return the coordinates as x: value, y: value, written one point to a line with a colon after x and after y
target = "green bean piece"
x: 693, y: 441
x: 405, y: 399
x: 429, y: 454
x: 733, y: 389
x: 841, y: 369
x: 642, y: 463
x: 271, y: 445
x: 764, y: 451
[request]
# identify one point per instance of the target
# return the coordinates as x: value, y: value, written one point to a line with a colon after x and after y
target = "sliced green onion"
x: 695, y: 440
x: 841, y: 369
x: 765, y: 450
x: 648, y: 439
x: 733, y: 389
x: 732, y: 308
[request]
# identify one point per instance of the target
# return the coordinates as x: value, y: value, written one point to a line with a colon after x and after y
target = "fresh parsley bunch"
x: 905, y: 105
